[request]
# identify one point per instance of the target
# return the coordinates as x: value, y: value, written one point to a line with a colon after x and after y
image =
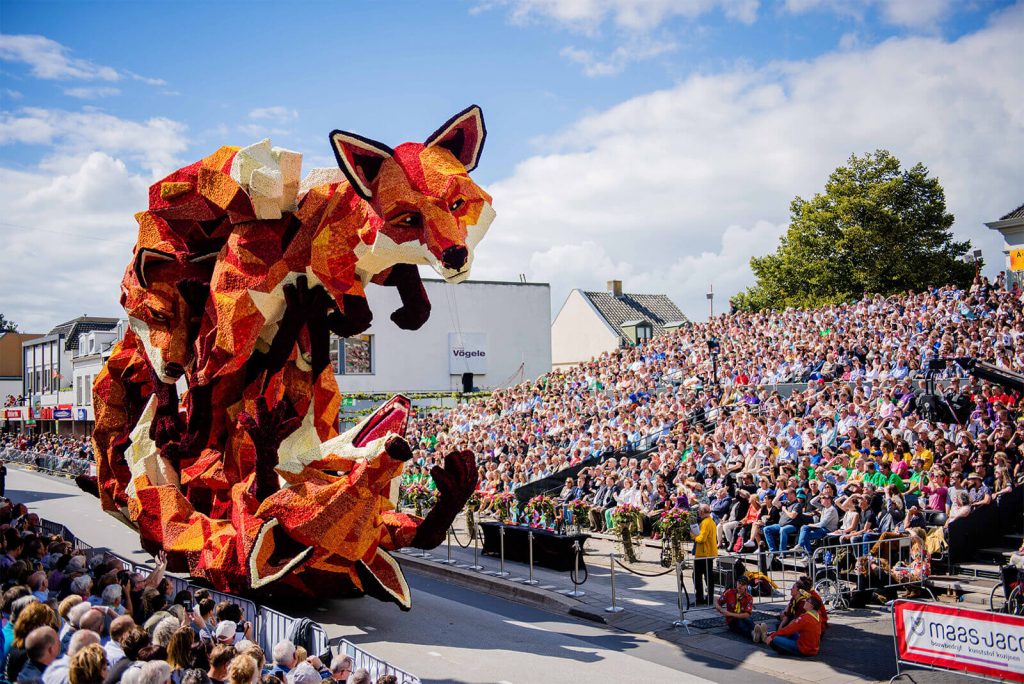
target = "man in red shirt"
x: 737, y: 605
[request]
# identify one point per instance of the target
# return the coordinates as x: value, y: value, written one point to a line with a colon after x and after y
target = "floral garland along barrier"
x: 628, y: 519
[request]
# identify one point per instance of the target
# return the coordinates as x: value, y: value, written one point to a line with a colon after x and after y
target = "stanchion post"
x: 575, y: 592
x: 611, y: 566
x: 682, y: 621
x: 530, y: 540
x: 501, y: 538
x: 476, y: 549
x: 449, y: 560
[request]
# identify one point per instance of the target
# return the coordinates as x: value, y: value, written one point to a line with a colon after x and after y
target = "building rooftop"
x: 656, y: 309
x: 1015, y: 214
x: 83, y: 324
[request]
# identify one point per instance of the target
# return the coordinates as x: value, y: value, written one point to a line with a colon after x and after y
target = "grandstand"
x: 801, y: 398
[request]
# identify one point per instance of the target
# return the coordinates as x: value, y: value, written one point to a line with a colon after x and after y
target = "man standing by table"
x: 704, y: 553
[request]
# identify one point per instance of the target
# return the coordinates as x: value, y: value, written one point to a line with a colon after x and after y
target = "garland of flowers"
x: 541, y: 509
x: 475, y: 502
x: 580, y: 510
x: 420, y: 497
x: 627, y: 519
x: 674, y: 526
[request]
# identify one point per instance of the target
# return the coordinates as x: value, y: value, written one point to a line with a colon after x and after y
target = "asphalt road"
x: 450, y: 635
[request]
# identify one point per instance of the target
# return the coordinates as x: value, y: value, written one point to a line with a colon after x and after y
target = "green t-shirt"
x: 896, y: 480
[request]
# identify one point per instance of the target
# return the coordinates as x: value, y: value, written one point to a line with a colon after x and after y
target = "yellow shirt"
x: 707, y: 540
x: 927, y: 457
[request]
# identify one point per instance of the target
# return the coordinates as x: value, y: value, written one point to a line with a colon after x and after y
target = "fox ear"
x: 145, y: 258
x: 463, y: 135
x: 360, y: 160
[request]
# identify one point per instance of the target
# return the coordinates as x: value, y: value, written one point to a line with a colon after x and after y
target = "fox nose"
x: 454, y: 257
x: 174, y: 370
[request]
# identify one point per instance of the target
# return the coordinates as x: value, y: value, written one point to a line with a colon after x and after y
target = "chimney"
x: 615, y: 287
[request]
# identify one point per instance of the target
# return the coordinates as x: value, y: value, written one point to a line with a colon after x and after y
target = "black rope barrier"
x: 643, y: 574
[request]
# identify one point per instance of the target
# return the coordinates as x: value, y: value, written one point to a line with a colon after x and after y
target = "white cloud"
x: 50, y: 60
x: 277, y: 114
x: 67, y: 238
x: 632, y: 15
x: 921, y: 15
x: 678, y: 188
x: 89, y: 93
x: 632, y: 22
x: 153, y: 144
x: 145, y: 79
x: 916, y: 14
x: 635, y: 51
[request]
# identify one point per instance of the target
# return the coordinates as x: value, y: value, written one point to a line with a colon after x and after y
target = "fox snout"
x: 455, y: 257
x: 174, y: 370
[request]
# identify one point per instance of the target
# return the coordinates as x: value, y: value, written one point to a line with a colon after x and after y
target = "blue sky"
x: 655, y: 140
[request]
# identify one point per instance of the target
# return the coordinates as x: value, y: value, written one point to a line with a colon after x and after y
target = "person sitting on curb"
x: 801, y: 636
x: 737, y: 605
x: 796, y: 605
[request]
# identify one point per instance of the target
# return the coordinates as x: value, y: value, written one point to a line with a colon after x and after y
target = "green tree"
x: 876, y: 228
x: 6, y: 325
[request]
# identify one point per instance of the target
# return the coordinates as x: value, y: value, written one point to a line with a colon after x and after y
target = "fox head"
x: 432, y: 211
x: 165, y: 294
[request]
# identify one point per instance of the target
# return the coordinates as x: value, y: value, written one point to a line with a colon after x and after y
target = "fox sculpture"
x: 241, y: 273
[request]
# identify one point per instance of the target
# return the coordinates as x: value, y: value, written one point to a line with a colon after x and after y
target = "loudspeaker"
x: 467, y: 383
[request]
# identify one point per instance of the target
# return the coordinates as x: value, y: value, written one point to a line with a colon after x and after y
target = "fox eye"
x: 456, y: 204
x: 158, y: 315
x: 409, y: 220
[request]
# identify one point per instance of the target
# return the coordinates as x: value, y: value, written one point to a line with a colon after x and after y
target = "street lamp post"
x: 711, y: 299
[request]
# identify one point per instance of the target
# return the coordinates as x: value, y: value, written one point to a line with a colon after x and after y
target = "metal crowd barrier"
x: 269, y: 626
x: 375, y: 666
x: 64, y: 466
x: 837, y: 569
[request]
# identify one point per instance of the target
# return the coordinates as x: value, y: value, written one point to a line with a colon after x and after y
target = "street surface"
x: 450, y: 635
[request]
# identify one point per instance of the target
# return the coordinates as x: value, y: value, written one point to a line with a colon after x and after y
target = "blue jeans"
x: 865, y: 540
x: 810, y: 534
x: 742, y: 626
x: 786, y: 644
x: 777, y: 536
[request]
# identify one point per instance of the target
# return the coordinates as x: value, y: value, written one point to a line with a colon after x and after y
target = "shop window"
x: 352, y: 355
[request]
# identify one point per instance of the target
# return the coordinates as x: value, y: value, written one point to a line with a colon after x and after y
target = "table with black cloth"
x: 550, y: 550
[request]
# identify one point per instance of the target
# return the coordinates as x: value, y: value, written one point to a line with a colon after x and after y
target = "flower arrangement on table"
x: 674, y: 527
x: 580, y: 511
x: 540, y: 511
x: 502, y: 504
x: 420, y: 497
x: 628, y: 520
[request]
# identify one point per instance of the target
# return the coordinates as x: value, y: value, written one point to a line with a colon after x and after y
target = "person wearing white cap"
x: 225, y: 632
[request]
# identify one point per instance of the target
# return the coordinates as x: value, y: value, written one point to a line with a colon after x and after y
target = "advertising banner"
x: 467, y: 353
x: 12, y: 413
x: 82, y: 414
x: 1017, y: 259
x: 958, y: 639
x: 62, y: 414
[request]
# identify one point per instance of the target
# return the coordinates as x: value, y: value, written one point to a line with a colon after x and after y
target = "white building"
x: 497, y: 331
x: 591, y: 323
x: 1011, y: 226
x: 93, y: 350
x: 48, y: 383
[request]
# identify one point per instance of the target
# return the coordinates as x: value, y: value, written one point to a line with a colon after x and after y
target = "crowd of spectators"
x: 65, y: 453
x: 68, y: 617
x: 846, y: 455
